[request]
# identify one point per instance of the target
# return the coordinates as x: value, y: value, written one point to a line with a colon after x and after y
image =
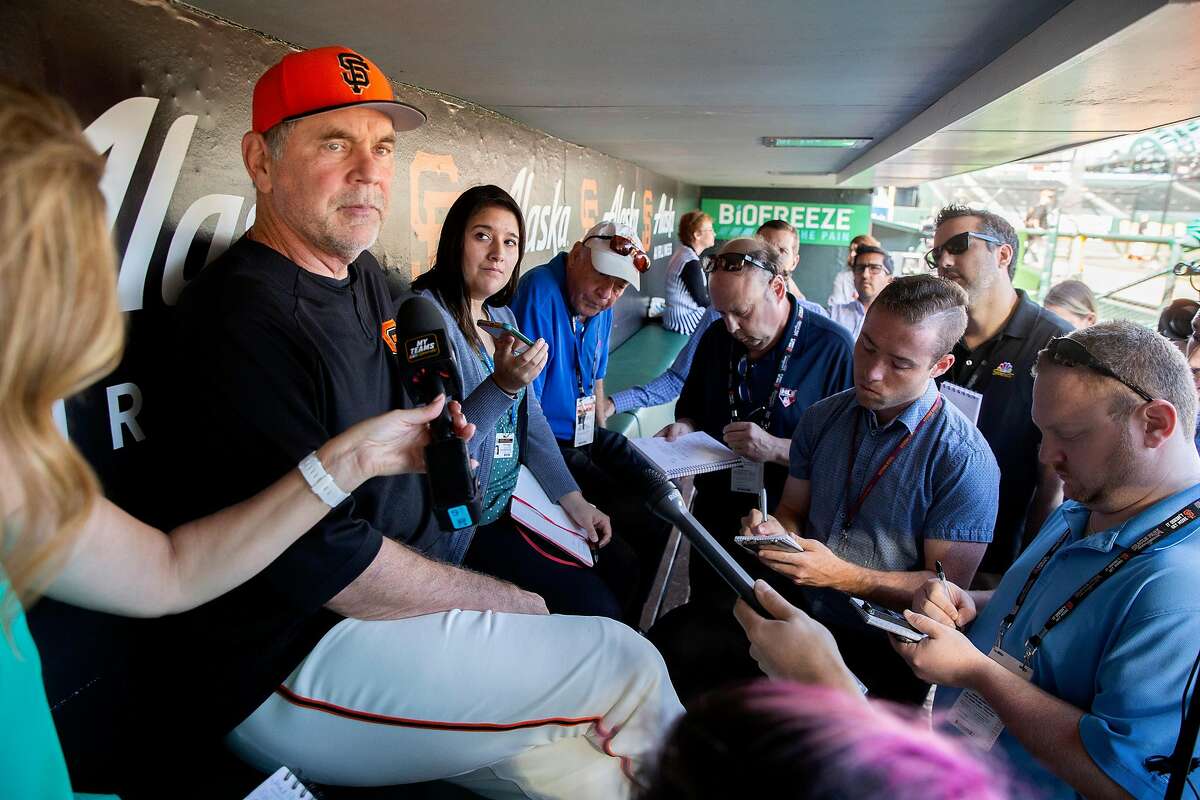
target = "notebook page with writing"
x: 693, y: 454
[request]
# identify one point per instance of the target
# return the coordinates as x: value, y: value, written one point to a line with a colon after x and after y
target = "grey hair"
x: 989, y: 223
x: 1142, y: 357
x: 276, y: 138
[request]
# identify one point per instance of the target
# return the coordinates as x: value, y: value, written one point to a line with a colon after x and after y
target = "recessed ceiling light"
x: 814, y: 141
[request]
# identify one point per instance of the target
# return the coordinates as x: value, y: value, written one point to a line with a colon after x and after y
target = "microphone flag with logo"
x: 427, y: 369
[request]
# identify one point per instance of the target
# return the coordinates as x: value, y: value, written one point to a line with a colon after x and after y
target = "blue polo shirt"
x: 943, y: 485
x: 576, y: 349
x: 1122, y: 656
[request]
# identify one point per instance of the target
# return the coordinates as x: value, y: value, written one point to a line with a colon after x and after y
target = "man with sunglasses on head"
x: 754, y: 377
x: 1075, y: 665
x: 1005, y: 330
x: 872, y: 269
x: 568, y: 303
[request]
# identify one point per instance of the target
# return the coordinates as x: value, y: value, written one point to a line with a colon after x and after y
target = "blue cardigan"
x: 484, y: 404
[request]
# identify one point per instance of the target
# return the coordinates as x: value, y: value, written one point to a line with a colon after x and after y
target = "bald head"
x: 750, y: 294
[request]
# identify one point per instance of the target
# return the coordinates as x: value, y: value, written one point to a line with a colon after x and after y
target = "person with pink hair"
x: 820, y: 743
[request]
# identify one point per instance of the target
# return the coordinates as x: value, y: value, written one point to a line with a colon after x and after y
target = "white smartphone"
x: 776, y: 541
x: 887, y: 620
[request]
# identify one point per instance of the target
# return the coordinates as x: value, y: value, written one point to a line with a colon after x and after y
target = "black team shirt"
x: 1001, y: 369
x: 276, y: 362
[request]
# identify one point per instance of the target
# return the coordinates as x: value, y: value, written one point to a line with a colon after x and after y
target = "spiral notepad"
x: 693, y: 454
x: 283, y: 785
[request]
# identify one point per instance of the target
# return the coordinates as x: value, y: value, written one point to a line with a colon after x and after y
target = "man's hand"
x: 957, y: 608
x: 753, y: 524
x: 521, y: 602
x: 816, y: 566
x: 514, y: 371
x: 675, y: 430
x: 946, y: 658
x: 594, y: 521
x: 389, y: 444
x: 607, y: 409
x: 750, y: 441
x: 792, y: 646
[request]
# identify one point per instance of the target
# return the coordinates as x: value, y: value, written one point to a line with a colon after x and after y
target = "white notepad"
x: 693, y: 454
x: 283, y: 785
x: 965, y: 400
x: 534, y: 511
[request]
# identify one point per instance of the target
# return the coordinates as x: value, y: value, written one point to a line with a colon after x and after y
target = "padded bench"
x: 641, y: 358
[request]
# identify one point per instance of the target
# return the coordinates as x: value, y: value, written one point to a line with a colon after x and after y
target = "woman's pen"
x: 762, y: 503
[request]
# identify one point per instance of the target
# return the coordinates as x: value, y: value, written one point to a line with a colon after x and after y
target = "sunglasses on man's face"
x: 735, y: 262
x: 956, y: 245
x: 1070, y: 353
x: 624, y: 246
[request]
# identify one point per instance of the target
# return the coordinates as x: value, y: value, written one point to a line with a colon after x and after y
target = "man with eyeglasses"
x: 1005, y: 330
x: 1076, y: 664
x: 872, y: 270
x: 752, y: 379
x: 568, y: 303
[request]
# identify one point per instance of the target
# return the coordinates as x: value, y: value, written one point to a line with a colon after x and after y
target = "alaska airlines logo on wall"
x: 546, y: 226
x: 121, y: 132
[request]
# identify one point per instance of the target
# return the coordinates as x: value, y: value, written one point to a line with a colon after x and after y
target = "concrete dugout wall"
x: 165, y: 93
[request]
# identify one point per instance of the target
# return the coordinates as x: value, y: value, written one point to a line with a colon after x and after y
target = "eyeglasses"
x: 1071, y: 353
x: 870, y: 269
x: 624, y: 246
x: 735, y: 262
x: 956, y: 246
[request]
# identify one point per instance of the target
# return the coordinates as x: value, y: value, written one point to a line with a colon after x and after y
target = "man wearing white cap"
x: 364, y: 655
x: 568, y: 303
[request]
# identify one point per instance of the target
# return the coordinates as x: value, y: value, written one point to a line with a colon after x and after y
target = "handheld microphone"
x: 427, y: 369
x: 666, y: 502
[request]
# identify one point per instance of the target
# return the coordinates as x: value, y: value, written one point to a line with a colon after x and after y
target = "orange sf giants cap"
x: 326, y: 79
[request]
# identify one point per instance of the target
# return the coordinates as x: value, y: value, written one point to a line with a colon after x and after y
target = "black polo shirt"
x: 822, y: 364
x: 1001, y: 369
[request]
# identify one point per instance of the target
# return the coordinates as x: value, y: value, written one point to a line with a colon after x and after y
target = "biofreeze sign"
x: 817, y: 223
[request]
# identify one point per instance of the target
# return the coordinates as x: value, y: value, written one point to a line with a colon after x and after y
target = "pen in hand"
x: 762, y: 503
x: 941, y: 573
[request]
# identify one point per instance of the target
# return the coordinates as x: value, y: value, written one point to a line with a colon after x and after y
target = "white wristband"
x: 321, y: 482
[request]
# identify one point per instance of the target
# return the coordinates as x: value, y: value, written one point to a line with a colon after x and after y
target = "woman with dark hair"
x: 813, y: 743
x: 473, y: 278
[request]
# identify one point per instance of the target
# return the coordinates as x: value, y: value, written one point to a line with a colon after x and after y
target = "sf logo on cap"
x: 355, y: 71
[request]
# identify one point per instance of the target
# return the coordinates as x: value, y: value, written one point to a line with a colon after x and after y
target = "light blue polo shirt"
x: 850, y: 315
x: 542, y: 312
x: 944, y: 485
x: 1122, y: 656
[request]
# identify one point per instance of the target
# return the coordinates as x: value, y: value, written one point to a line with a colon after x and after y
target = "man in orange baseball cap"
x: 346, y: 657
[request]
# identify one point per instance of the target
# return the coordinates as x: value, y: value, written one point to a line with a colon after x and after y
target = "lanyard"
x: 852, y: 508
x: 490, y: 366
x: 783, y: 364
x: 577, y: 339
x: 1165, y: 528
